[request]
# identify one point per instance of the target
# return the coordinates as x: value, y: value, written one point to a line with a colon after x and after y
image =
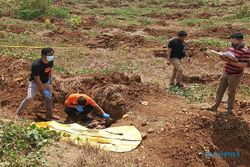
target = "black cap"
x: 237, y: 35
x: 182, y: 33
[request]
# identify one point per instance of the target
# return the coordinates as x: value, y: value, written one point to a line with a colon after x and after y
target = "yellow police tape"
x: 68, y: 47
x: 117, y: 139
x: 32, y: 47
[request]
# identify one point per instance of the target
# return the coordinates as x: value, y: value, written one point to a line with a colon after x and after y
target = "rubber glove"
x: 105, y: 115
x: 80, y: 109
x: 47, y: 94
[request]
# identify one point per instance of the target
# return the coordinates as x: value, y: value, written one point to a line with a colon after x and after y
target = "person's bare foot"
x: 19, y: 116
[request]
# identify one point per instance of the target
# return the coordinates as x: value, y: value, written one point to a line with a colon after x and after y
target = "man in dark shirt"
x: 176, y: 52
x: 40, y: 80
x: 233, y: 72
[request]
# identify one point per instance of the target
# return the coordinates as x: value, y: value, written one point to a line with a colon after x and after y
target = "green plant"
x: 49, y: 25
x: 75, y: 21
x: 59, y: 68
x: 107, y: 21
x: 192, y: 21
x: 93, y: 33
x: 30, y: 9
x: 21, y: 144
x: 58, y: 12
x: 86, y: 71
x: 159, y: 39
x: 146, y: 21
x: 244, y: 90
x: 212, y: 42
x: 242, y: 12
x: 8, y: 7
x: 194, y: 93
x: 127, y: 66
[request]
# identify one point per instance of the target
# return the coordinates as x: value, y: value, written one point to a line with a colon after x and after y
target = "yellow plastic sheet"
x: 117, y: 139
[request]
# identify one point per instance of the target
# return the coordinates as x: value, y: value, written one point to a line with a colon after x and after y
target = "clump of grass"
x: 21, y: 144
x: 59, y: 69
x: 196, y: 93
x: 198, y: 2
x: 30, y: 9
x: 146, y: 21
x: 127, y: 12
x: 212, y: 42
x: 244, y: 90
x: 8, y: 7
x: 159, y: 39
x: 107, y: 21
x: 93, y: 33
x: 242, y: 12
x: 58, y: 12
x: 86, y: 71
x: 75, y: 21
x: 197, y: 22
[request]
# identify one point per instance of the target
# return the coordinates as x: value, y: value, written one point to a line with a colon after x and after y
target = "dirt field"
x: 115, y: 55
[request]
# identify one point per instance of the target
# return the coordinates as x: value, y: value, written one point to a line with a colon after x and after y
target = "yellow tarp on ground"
x: 117, y: 139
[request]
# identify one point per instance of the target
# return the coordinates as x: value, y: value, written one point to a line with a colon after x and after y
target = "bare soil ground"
x: 175, y: 130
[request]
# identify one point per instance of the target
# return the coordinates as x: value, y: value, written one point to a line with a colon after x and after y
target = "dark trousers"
x: 72, y: 112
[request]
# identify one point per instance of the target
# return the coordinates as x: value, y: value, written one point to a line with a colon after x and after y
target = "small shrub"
x: 58, y: 12
x: 21, y: 144
x: 194, y: 93
x: 8, y: 7
x: 30, y: 9
x: 242, y: 12
x: 75, y: 21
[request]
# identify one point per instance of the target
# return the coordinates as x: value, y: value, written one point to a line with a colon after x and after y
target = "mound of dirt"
x: 159, y: 32
x: 118, y: 38
x: 12, y: 28
x: 200, y: 79
x: 69, y: 37
x: 160, y: 53
x: 115, y: 93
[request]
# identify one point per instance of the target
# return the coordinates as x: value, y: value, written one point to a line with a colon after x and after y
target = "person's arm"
x: 237, y: 64
x: 99, y: 109
x: 170, y: 47
x: 169, y: 53
x: 187, y: 55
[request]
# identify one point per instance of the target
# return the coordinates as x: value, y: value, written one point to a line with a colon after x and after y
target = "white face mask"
x: 50, y: 58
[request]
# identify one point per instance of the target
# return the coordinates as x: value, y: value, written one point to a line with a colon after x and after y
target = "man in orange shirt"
x: 81, y: 104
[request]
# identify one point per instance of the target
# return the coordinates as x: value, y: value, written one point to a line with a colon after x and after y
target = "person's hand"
x: 80, y: 109
x: 105, y: 115
x: 223, y: 58
x: 47, y: 94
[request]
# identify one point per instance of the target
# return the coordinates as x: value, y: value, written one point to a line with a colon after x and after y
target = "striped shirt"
x: 242, y: 55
